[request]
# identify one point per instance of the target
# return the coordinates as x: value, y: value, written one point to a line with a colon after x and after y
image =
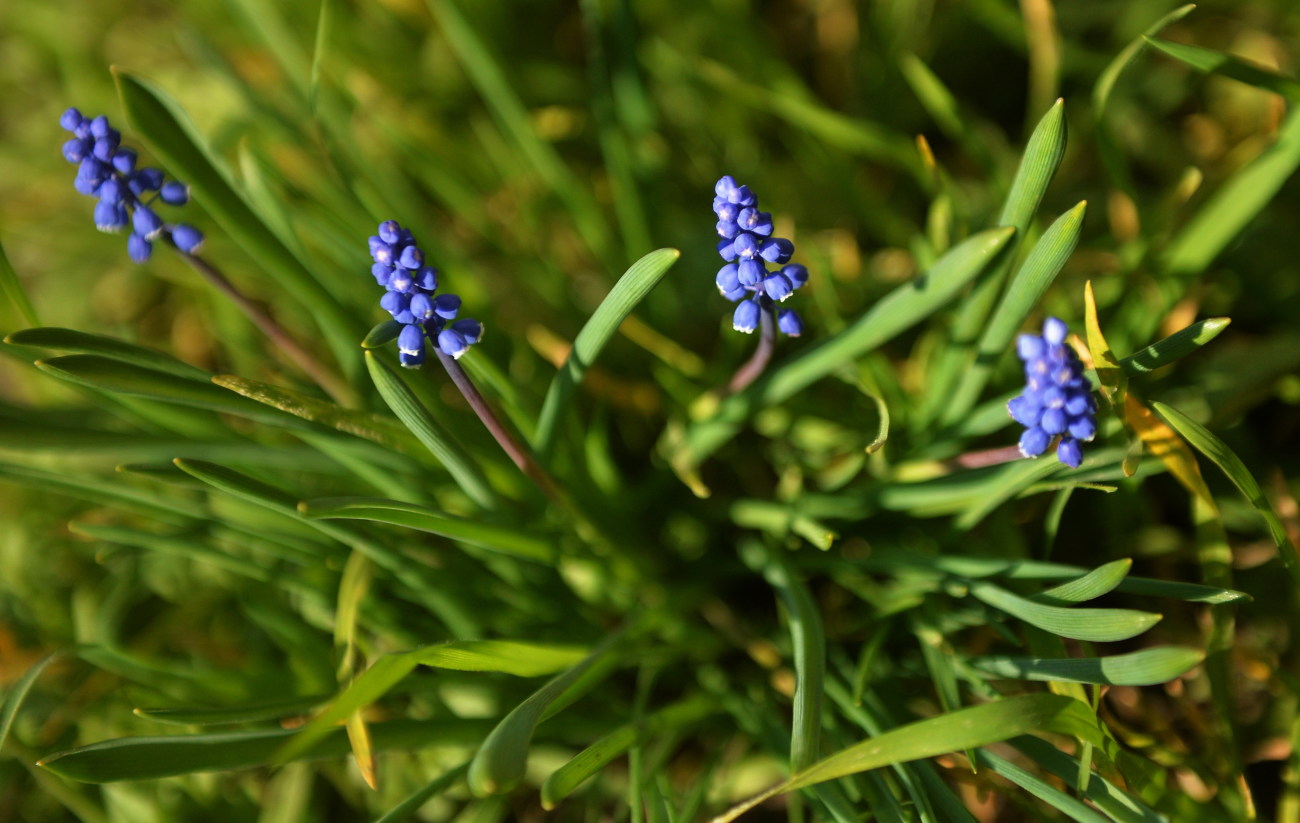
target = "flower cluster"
x: 1057, y: 399
x: 748, y: 246
x: 399, y: 267
x: 106, y: 169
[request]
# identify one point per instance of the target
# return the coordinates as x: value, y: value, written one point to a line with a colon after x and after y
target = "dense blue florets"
x: 400, y: 268
x: 106, y: 169
x: 747, y: 246
x: 1057, y: 400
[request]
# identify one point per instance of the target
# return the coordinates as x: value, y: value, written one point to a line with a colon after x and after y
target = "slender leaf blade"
x: 1174, y: 347
x: 1141, y: 668
x: 1100, y: 625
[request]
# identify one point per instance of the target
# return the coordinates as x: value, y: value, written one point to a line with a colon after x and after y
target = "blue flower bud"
x: 743, y: 196
x: 777, y: 287
x: 104, y: 149
x: 145, y: 221
x: 400, y: 280
x: 390, y: 231
x: 470, y: 329
x: 411, y: 258
x: 71, y: 119
x: 1033, y: 442
x: 1054, y: 421
x: 411, y: 361
x: 750, y: 273
x: 452, y: 343
x: 124, y: 160
x: 146, y: 179
x: 411, y: 340
x: 1054, y: 331
x: 382, y: 273
x: 727, y: 248
x: 776, y: 250
x: 427, y: 278
x: 174, y: 194
x: 1030, y: 347
x: 110, y: 216
x: 746, y: 246
x: 446, y: 306
x: 789, y: 323
x: 725, y: 210
x: 1069, y: 452
x: 76, y: 150
x: 1083, y: 428
x: 99, y: 127
x: 753, y: 220
x: 383, y: 253
x: 1025, y: 409
x: 187, y: 238
x: 727, y: 228
x: 394, y: 302
x: 139, y: 248
x: 746, y: 316
x: 421, y: 306
x: 727, y: 279
x: 111, y: 191
x: 84, y: 186
x: 725, y: 188
x: 796, y: 273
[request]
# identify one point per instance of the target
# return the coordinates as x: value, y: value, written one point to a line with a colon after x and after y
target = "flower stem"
x: 522, y: 457
x: 333, y: 385
x: 753, y: 367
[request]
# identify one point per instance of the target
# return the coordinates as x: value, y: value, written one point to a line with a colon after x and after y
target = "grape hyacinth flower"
x: 748, y: 247
x: 107, y: 170
x: 1057, y: 400
x: 400, y: 268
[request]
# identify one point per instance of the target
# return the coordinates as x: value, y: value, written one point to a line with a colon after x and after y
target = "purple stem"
x: 753, y: 367
x: 333, y: 385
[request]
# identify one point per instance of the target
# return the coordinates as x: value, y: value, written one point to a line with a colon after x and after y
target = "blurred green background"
x: 537, y: 148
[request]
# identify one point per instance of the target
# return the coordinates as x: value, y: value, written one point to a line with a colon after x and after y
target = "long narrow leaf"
x: 1142, y: 668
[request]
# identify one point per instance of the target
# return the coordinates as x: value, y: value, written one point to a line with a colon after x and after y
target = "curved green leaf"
x: 630, y: 290
x: 1227, y: 65
x: 12, y: 287
x: 505, y: 539
x: 252, y: 713
x: 18, y: 693
x: 424, y: 794
x: 1078, y: 623
x: 1143, y: 668
x: 1174, y: 347
x: 80, y: 342
x: 1092, y: 585
x: 382, y: 334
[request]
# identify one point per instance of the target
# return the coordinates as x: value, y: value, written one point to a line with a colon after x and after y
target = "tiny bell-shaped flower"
x: 1057, y: 401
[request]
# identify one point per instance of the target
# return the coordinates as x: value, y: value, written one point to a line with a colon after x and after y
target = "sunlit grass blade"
x: 1174, y: 347
x: 230, y: 715
x: 1207, y: 443
x: 175, y: 140
x: 430, y: 432
x: 12, y: 288
x: 1101, y: 625
x: 512, y: 541
x: 80, y: 342
x: 499, y: 764
x: 361, y: 424
x: 1234, y: 204
x: 1094, y: 584
x: 486, y: 73
x: 148, y: 758
x: 1142, y: 668
x: 1228, y: 65
x: 1033, y: 784
x: 891, y: 315
x: 1010, y: 482
x: 677, y: 717
x: 17, y: 693
x: 407, y: 808
x: 964, y: 729
x: 630, y: 290
x: 1021, y: 297
x: 1121, y: 806
x: 383, y: 333
x: 505, y: 656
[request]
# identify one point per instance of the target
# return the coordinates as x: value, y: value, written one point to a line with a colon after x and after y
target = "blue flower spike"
x: 107, y: 170
x: 409, y: 297
x: 748, y: 248
x: 1057, y: 401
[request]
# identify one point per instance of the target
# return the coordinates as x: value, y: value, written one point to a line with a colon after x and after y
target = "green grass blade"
x: 965, y: 729
x: 1044, y: 791
x: 487, y: 75
x: 174, y: 139
x: 589, y: 761
x: 382, y: 334
x: 320, y: 52
x: 1222, y: 217
x: 499, y: 764
x: 408, y: 807
x: 430, y: 432
x: 80, y: 342
x: 1040, y: 268
x: 504, y: 656
x: 361, y: 424
x: 515, y: 542
x: 1142, y: 668
x: 1174, y: 347
x: 148, y: 758
x: 1227, y: 65
x: 1120, y: 805
x: 1207, y: 443
x: 18, y: 693
x: 1101, y: 625
x: 252, y: 713
x: 630, y: 290
x: 12, y: 288
x: 1008, y: 483
x: 895, y: 313
x: 1092, y: 585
